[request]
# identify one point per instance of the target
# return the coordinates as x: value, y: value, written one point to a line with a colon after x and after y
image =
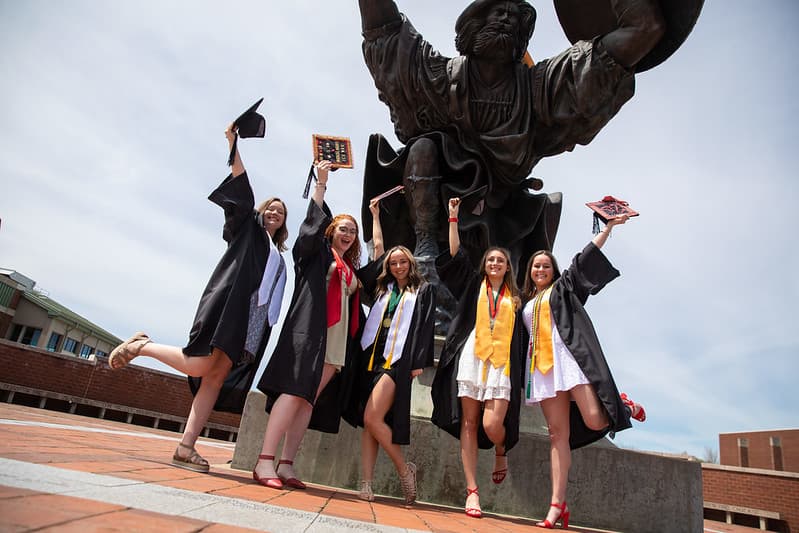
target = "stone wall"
x: 609, y: 488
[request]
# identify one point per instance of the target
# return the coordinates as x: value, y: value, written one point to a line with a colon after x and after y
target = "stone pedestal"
x: 609, y: 488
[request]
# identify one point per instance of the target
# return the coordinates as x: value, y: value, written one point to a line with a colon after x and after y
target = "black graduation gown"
x: 464, y: 283
x: 589, y: 272
x: 224, y: 308
x: 299, y: 356
x: 416, y: 354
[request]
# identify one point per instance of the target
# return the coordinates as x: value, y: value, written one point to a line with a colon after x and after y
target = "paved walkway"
x: 62, y: 472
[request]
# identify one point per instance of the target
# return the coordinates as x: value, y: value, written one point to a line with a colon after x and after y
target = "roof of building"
x: 56, y: 310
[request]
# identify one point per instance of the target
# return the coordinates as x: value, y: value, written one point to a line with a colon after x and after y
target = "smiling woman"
x: 568, y: 374
x: 396, y: 347
x: 310, y: 363
x: 477, y: 386
x: 237, y: 310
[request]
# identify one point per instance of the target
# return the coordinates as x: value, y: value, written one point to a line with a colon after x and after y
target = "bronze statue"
x: 475, y: 125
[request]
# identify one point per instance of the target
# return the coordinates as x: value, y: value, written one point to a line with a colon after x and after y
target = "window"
x: 86, y: 351
x: 70, y: 345
x: 15, y: 333
x: 743, y: 451
x: 52, y: 344
x: 31, y: 336
x: 776, y: 453
x: 101, y: 353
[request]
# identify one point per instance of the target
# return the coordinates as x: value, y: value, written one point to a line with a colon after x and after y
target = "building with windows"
x: 757, y: 482
x: 769, y: 450
x: 30, y: 317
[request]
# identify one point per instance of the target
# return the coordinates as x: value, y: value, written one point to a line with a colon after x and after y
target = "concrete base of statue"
x: 609, y: 488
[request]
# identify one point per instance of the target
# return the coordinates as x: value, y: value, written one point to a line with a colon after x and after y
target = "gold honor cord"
x: 545, y: 364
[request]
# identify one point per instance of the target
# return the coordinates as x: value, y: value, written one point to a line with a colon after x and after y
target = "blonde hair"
x: 281, y: 233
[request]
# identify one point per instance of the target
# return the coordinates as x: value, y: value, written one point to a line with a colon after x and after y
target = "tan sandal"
x: 366, y: 493
x: 125, y: 352
x: 408, y: 483
x: 193, y: 462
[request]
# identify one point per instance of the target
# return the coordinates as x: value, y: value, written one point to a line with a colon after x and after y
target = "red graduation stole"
x: 334, y: 294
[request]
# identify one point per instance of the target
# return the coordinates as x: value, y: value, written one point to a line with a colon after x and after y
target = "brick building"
x: 134, y: 394
x: 769, y: 450
x: 757, y: 482
x: 29, y: 316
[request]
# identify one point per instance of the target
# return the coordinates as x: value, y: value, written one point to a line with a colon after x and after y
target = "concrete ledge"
x: 609, y: 488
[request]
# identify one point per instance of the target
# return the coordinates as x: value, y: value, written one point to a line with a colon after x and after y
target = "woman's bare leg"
x: 205, y: 399
x: 380, y: 401
x: 194, y: 366
x: 494, y: 426
x: 299, y: 425
x: 470, y: 420
x: 592, y: 411
x: 556, y: 413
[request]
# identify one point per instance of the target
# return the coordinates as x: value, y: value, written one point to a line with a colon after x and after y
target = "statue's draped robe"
x: 489, y: 138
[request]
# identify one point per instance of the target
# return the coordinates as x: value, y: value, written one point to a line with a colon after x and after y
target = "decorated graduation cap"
x: 607, y: 208
x: 248, y: 124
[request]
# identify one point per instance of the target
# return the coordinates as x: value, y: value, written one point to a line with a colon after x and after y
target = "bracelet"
x: 453, y: 219
x: 323, y: 185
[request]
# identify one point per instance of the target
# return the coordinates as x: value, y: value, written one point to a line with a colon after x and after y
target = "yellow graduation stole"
x: 541, y: 333
x: 494, y: 327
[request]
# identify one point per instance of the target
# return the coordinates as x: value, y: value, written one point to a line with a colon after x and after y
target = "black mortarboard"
x: 248, y: 124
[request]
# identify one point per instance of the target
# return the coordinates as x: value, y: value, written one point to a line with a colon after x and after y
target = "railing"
x: 103, y: 409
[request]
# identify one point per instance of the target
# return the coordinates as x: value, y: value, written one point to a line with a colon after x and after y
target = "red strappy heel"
x: 271, y: 482
x: 636, y: 409
x: 563, y: 517
x: 292, y: 482
x: 474, y: 512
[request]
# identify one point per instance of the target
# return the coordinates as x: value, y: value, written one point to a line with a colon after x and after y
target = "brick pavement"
x: 62, y: 472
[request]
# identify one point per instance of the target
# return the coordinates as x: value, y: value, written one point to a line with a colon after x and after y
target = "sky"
x: 113, y: 115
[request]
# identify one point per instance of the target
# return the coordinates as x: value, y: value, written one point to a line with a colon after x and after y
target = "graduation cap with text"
x: 249, y: 124
x: 607, y: 208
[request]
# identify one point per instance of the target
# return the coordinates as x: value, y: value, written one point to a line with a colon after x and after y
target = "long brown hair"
x: 529, y: 286
x: 281, y: 233
x: 415, y: 278
x: 353, y: 254
x: 509, y: 279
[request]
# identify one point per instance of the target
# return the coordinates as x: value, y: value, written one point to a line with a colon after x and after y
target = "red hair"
x: 353, y: 254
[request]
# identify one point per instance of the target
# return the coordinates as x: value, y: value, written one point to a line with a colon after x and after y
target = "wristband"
x: 453, y: 219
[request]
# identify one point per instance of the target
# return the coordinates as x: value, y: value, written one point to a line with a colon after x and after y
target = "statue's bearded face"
x: 495, y: 30
x: 497, y: 38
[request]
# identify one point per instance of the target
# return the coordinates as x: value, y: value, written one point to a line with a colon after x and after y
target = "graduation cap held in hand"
x: 607, y: 208
x: 249, y: 124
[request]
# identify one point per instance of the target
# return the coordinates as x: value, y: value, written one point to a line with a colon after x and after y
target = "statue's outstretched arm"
x: 377, y: 13
x: 640, y: 28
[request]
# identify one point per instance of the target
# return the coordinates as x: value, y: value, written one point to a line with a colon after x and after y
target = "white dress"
x: 470, y: 376
x: 564, y: 375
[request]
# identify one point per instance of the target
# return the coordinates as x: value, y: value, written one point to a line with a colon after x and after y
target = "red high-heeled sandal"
x: 271, y: 482
x: 636, y: 409
x: 473, y: 512
x: 292, y: 482
x: 563, y: 517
